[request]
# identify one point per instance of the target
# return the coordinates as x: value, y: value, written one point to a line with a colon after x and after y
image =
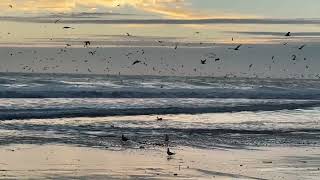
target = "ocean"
x: 205, y: 112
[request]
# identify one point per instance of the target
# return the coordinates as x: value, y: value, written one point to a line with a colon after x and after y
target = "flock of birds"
x: 136, y: 57
x: 203, y: 61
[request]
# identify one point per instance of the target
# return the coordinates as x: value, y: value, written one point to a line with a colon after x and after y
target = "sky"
x: 189, y: 23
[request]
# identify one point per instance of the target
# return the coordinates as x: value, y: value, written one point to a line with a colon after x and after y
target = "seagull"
x: 288, y: 34
x: 236, y: 48
x: 170, y: 153
x: 123, y: 138
x: 92, y: 52
x: 203, y: 61
x: 301, y: 47
x: 136, y: 62
x: 86, y: 43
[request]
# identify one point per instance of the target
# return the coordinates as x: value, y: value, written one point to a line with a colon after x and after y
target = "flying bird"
x: 87, y: 43
x: 92, y: 52
x: 203, y: 61
x: 170, y: 153
x: 294, y: 57
x: 301, y: 47
x: 217, y: 59
x: 236, y: 48
x: 136, y: 62
x: 66, y: 27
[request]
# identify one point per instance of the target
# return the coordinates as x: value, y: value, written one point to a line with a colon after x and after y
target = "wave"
x: 157, y: 93
x: 85, y: 86
x: 51, y: 113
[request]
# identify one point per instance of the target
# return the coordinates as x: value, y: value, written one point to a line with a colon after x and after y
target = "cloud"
x: 263, y: 33
x: 179, y: 9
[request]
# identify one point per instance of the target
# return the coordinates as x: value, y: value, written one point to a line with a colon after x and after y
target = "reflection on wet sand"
x: 65, y: 162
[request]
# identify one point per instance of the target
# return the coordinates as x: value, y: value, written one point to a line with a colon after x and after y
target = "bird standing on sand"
x: 123, y: 138
x: 170, y: 153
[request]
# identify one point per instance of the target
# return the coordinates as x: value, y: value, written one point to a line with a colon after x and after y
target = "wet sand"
x: 57, y: 161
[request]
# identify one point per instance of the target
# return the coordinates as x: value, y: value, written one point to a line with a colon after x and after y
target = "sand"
x: 57, y: 161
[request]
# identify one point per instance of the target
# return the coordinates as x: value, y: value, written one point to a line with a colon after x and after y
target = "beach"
x: 58, y: 161
x: 71, y: 127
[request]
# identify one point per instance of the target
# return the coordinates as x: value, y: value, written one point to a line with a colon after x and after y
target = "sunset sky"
x: 257, y: 21
x: 203, y: 29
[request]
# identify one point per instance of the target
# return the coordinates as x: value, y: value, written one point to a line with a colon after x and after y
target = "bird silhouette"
x: 87, y: 43
x: 123, y: 138
x: 128, y: 34
x: 294, y: 57
x: 203, y: 61
x: 136, y: 62
x: 288, y: 34
x: 92, y: 52
x: 159, y: 119
x: 170, y: 153
x: 301, y: 47
x: 236, y: 48
x: 217, y: 59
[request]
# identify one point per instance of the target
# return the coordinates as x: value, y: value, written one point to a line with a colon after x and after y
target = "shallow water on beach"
x: 94, y: 111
